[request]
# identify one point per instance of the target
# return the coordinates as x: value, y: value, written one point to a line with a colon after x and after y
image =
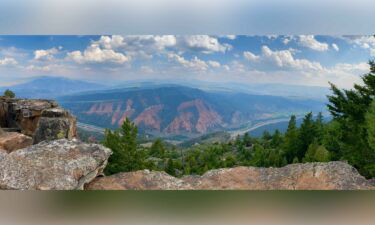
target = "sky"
x: 311, y: 60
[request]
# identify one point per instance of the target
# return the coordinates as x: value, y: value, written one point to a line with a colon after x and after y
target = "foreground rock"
x: 40, y: 119
x: 139, y: 180
x: 11, y: 141
x: 56, y: 165
x: 309, y: 176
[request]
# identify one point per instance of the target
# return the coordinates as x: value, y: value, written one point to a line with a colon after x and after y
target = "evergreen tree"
x: 259, y: 157
x: 307, y: 134
x: 266, y: 136
x: 322, y: 154
x: 157, y: 149
x: 291, y: 141
x: 123, y: 143
x: 332, y: 140
x: 349, y: 109
x: 319, y: 126
x: 170, y: 169
x: 9, y: 93
x: 370, y: 123
x: 276, y: 140
x: 310, y: 153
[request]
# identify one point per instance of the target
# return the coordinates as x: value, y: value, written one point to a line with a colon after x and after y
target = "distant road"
x: 233, y: 134
x: 89, y: 127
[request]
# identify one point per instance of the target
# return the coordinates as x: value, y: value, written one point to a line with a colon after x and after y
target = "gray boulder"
x: 307, y: 176
x: 56, y: 165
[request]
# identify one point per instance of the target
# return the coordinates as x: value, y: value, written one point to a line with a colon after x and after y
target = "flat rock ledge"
x: 57, y: 165
x: 308, y: 176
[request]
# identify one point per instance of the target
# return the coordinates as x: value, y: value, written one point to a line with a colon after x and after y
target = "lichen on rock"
x: 55, y: 165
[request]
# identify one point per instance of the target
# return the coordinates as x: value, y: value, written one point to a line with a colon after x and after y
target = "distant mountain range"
x: 178, y: 110
x: 51, y: 87
x: 170, y: 110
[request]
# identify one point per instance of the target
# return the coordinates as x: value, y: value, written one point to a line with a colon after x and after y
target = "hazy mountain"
x: 274, y: 89
x: 178, y: 110
x: 51, y: 87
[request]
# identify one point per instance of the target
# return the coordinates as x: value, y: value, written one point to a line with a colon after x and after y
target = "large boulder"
x: 55, y: 123
x: 139, y: 180
x: 11, y: 141
x: 308, y: 176
x: 56, y: 165
x: 37, y: 118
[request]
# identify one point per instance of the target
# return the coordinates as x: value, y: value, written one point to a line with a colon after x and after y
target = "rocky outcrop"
x: 39, y: 119
x: 139, y: 180
x: 11, y: 141
x: 56, y: 165
x: 309, y: 176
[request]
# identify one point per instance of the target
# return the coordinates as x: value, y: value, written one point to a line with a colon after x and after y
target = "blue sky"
x: 297, y: 59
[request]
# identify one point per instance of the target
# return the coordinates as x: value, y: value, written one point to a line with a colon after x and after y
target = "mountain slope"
x: 178, y: 110
x: 51, y: 87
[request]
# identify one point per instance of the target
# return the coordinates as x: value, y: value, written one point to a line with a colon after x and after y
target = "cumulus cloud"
x: 204, y: 43
x: 309, y: 41
x: 283, y: 59
x: 286, y: 41
x: 214, y: 64
x: 194, y: 64
x: 230, y: 37
x: 250, y: 56
x: 95, y: 54
x: 8, y: 61
x: 45, y: 55
x: 335, y: 47
x: 365, y: 42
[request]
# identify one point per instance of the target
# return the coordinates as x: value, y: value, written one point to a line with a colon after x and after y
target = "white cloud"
x: 365, y: 42
x: 8, y: 61
x: 214, y: 64
x: 358, y: 69
x: 194, y: 64
x: 95, y: 54
x: 39, y: 68
x: 45, y: 55
x: 146, y: 69
x: 230, y: 37
x: 283, y: 59
x: 134, y: 42
x: 309, y: 41
x: 335, y: 47
x: 286, y: 41
x: 205, y: 44
x: 250, y: 56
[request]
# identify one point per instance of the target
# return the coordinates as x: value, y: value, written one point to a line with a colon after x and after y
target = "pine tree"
x: 291, y: 140
x: 123, y: 143
x: 266, y: 136
x: 307, y: 134
x: 157, y: 149
x: 9, y: 93
x: 310, y: 153
x: 276, y: 139
x: 322, y: 154
x: 170, y: 169
x: 319, y: 126
x: 349, y: 109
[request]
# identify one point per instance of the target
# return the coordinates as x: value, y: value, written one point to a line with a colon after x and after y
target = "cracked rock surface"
x: 56, y: 165
x: 308, y: 176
